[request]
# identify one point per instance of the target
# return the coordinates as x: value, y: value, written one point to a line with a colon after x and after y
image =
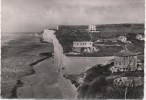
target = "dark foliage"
x: 69, y: 33
x: 96, y: 86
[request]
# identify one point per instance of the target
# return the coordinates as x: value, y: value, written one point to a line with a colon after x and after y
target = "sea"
x: 7, y: 36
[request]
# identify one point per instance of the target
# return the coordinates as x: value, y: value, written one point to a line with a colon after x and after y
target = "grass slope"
x: 67, y: 34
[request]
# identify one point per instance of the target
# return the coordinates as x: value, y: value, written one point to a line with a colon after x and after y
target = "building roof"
x: 124, y: 53
x: 81, y: 41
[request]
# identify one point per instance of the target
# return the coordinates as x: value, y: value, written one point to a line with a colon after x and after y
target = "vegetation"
x: 67, y: 34
x: 136, y: 45
x: 97, y: 85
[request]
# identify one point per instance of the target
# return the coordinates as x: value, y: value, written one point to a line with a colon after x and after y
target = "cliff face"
x: 69, y: 65
x: 68, y: 90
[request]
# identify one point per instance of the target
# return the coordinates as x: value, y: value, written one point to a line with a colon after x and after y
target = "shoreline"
x: 16, y: 55
x: 38, y: 84
x: 19, y: 83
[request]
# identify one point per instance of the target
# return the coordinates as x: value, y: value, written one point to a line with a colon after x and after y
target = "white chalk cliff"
x: 69, y: 65
x: 68, y: 90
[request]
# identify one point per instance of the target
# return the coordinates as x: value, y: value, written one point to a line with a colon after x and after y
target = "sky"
x: 37, y: 15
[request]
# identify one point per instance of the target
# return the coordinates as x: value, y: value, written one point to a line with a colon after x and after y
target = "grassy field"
x: 67, y: 34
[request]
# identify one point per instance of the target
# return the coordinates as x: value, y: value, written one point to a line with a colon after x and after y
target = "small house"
x: 99, y: 40
x: 140, y: 37
x: 129, y: 81
x: 125, y: 61
x: 122, y: 39
x: 140, y: 62
x: 92, y: 28
x: 140, y: 65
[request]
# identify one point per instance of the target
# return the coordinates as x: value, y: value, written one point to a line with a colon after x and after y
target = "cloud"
x: 35, y: 15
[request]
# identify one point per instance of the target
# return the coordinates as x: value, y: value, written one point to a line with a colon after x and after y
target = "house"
x: 140, y: 62
x: 140, y: 65
x: 122, y: 39
x: 92, y: 28
x: 81, y: 28
x: 125, y: 61
x: 83, y: 46
x: 99, y: 40
x: 129, y: 81
x: 106, y: 44
x: 140, y: 36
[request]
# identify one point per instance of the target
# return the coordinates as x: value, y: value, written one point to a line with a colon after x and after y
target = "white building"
x: 99, y: 40
x: 125, y: 61
x: 129, y: 81
x: 122, y: 39
x: 84, y: 47
x: 140, y: 37
x: 82, y: 44
x: 92, y: 28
